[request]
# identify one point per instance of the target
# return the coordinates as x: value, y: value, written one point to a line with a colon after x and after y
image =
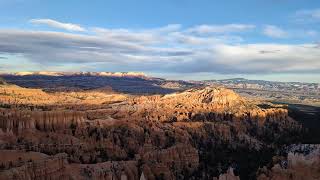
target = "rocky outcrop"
x: 37, y: 99
x: 109, y: 135
x: 206, y: 104
x: 229, y: 175
x: 104, y: 171
x: 47, y: 168
x: 57, y: 167
x: 18, y: 121
x: 171, y: 162
x: 302, y: 165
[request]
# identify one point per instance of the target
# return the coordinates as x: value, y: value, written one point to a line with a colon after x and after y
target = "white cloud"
x: 275, y: 32
x: 264, y: 58
x: 169, y: 49
x: 191, y: 40
x: 228, y: 28
x: 57, y: 24
x: 139, y: 36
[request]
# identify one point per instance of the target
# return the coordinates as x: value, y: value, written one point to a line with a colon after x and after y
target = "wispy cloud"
x: 275, y: 32
x: 228, y: 28
x: 57, y: 24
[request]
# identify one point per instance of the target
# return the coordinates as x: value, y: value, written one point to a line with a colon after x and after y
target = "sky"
x: 176, y: 39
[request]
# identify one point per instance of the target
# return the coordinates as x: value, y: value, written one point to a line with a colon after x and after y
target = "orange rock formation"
x: 99, y: 135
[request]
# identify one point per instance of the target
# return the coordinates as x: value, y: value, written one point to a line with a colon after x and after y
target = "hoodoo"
x: 108, y: 134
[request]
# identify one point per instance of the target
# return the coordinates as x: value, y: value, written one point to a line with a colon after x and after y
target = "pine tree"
x: 2, y: 81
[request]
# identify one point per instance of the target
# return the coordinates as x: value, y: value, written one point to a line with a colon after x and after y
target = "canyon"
x: 206, y: 132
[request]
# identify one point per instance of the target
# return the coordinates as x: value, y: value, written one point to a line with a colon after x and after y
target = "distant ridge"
x: 54, y: 73
x: 128, y: 82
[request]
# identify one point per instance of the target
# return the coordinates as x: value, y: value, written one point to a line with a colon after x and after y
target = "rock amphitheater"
x: 109, y: 135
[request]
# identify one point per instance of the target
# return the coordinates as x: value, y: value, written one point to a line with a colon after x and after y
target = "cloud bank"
x: 171, y: 49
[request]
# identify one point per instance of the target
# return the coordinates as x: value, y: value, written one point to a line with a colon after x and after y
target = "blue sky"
x: 178, y: 39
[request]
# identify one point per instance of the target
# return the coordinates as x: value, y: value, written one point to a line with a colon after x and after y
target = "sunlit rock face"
x: 206, y: 104
x: 105, y: 135
x: 18, y: 121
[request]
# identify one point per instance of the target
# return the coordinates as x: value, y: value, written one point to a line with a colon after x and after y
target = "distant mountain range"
x: 127, y: 82
x: 53, y: 73
x: 254, y: 81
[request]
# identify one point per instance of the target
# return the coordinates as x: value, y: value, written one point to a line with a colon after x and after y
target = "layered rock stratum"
x: 96, y: 134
